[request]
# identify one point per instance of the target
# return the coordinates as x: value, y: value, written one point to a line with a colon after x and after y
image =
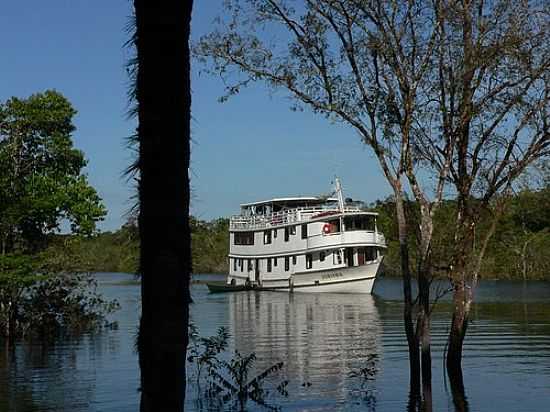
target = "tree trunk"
x: 12, y: 321
x: 412, y: 339
x: 424, y: 332
x: 4, y: 311
x: 164, y: 101
x: 524, y: 259
x: 454, y: 354
x: 459, y: 324
x: 424, y: 280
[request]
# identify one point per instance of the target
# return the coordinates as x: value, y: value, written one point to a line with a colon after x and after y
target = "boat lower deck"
x: 358, y: 279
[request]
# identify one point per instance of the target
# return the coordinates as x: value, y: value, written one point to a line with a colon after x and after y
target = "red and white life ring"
x: 326, y: 229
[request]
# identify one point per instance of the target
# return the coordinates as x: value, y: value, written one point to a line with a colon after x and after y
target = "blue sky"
x: 249, y: 148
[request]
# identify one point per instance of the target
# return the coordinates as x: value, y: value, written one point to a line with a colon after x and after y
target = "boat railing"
x: 339, y: 236
x: 284, y: 217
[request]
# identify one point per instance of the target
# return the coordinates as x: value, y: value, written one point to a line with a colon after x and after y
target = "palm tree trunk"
x: 164, y: 100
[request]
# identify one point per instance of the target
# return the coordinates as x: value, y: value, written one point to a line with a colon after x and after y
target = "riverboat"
x: 305, y: 244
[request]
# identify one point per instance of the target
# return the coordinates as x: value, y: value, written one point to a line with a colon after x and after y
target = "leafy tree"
x: 103, y: 252
x: 519, y: 248
x: 367, y: 65
x: 42, y: 186
x: 521, y: 244
x: 210, y: 245
x: 452, y: 90
x: 41, y: 180
x: 493, y: 103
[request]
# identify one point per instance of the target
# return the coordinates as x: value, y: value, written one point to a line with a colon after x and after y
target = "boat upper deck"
x: 290, y: 211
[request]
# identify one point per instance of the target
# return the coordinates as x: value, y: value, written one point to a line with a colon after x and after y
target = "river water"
x: 321, y: 338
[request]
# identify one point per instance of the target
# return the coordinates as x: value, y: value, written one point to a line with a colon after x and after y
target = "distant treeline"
x: 520, y: 247
x: 119, y: 251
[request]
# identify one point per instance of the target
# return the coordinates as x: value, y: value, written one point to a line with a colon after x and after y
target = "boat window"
x: 274, y: 261
x: 243, y: 238
x: 359, y: 223
x: 269, y: 264
x: 249, y: 265
x: 334, y: 226
x: 304, y: 231
x: 287, y: 233
x: 267, y: 237
x: 370, y: 253
x: 287, y: 263
x: 241, y: 262
x: 337, y: 257
x: 322, y: 256
x: 292, y: 230
x: 234, y: 264
x: 294, y: 260
x: 309, y: 261
x: 274, y: 233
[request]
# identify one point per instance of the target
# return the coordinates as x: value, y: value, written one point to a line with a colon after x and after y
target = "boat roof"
x: 291, y: 200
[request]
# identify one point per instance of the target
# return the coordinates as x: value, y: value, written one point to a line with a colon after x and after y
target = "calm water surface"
x: 320, y: 338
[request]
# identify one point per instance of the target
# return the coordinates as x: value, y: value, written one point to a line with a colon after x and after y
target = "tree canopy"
x: 42, y: 185
x: 41, y: 173
x: 449, y: 95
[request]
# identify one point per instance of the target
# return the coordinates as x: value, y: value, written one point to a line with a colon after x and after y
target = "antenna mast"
x: 339, y: 193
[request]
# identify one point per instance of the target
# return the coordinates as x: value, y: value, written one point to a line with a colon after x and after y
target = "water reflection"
x: 96, y: 372
x: 46, y: 378
x: 322, y: 338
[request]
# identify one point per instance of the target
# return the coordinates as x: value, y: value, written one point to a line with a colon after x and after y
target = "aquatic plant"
x: 236, y: 383
x: 203, y: 351
x: 363, y: 376
x: 232, y: 382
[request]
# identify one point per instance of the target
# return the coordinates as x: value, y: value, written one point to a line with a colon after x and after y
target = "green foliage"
x: 101, y: 252
x: 119, y: 251
x: 41, y: 180
x: 521, y: 245
x: 519, y: 249
x: 229, y: 380
x: 210, y: 245
x: 42, y: 297
x: 42, y: 288
x: 235, y: 383
x: 203, y: 352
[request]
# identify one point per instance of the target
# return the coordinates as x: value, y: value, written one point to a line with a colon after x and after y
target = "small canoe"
x: 221, y: 287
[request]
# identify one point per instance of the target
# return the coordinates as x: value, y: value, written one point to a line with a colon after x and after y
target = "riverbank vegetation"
x: 43, y: 290
x: 520, y: 248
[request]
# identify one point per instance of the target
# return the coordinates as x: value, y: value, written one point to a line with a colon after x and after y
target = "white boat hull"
x: 357, y: 279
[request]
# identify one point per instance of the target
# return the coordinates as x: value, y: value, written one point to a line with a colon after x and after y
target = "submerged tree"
x: 163, y: 94
x: 42, y: 186
x: 446, y: 93
x: 493, y: 92
x: 368, y: 65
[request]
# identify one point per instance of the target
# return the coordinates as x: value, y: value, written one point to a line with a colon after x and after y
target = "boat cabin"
x: 268, y: 207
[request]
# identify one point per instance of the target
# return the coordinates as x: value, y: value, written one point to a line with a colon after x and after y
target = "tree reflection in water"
x: 458, y: 393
